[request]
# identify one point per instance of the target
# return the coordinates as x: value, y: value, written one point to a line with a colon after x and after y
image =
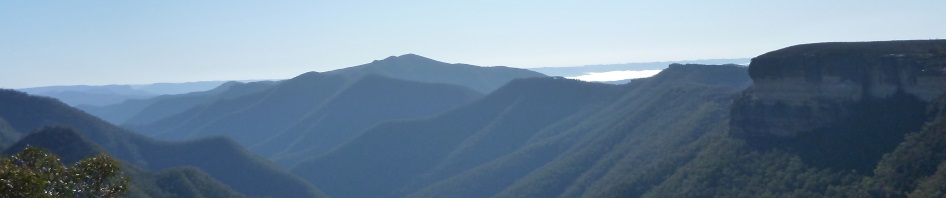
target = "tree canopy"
x: 35, y: 173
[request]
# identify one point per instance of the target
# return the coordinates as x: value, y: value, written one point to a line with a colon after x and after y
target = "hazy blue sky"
x: 106, y: 42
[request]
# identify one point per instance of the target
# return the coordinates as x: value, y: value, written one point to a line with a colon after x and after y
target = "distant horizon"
x: 144, y: 84
x: 584, y: 78
x: 45, y: 43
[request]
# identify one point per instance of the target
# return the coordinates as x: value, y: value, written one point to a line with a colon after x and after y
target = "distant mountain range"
x: 310, y: 114
x: 90, y: 95
x: 412, y: 67
x: 147, y: 110
x: 861, y: 119
x: 827, y: 119
x: 101, y: 95
x: 504, y: 143
x: 218, y: 157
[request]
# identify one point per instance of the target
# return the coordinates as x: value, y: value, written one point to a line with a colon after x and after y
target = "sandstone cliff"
x: 815, y: 83
x: 829, y: 100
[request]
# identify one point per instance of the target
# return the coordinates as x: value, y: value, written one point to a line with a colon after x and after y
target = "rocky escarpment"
x: 840, y: 104
x: 801, y: 88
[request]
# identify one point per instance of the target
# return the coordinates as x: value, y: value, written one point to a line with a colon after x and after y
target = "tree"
x: 36, y: 173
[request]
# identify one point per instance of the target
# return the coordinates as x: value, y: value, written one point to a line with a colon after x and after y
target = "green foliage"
x: 916, y: 165
x: 72, y: 148
x: 732, y: 167
x: 35, y: 173
x: 726, y: 167
x: 932, y: 186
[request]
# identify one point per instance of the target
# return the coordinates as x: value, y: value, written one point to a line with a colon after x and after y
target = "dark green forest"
x: 33, y: 172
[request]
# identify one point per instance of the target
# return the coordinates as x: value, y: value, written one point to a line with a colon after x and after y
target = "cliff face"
x: 840, y: 105
x: 802, y: 88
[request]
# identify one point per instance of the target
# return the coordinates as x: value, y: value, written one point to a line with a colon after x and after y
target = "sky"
x: 46, y: 43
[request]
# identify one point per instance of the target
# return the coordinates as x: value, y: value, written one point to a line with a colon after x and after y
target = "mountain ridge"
x: 146, y: 110
x: 282, y: 122
x: 26, y: 112
x: 418, y: 68
x: 70, y: 147
x: 488, y: 147
x: 313, y: 107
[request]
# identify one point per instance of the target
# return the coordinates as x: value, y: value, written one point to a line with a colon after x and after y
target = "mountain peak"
x: 411, y: 56
x: 422, y: 69
x: 406, y: 58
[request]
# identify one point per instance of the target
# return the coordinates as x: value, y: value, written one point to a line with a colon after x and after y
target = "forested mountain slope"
x: 219, y: 157
x: 819, y: 120
x: 829, y: 119
x: 310, y: 114
x: 408, y: 67
x: 532, y: 135
x: 70, y: 147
